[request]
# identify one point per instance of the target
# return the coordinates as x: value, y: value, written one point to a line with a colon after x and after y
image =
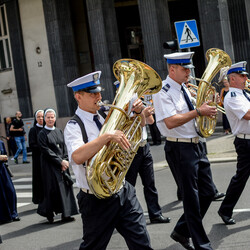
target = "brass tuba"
x: 107, y: 169
x: 217, y: 59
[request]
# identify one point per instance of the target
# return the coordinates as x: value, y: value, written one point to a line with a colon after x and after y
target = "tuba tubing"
x: 106, y: 170
x: 217, y: 59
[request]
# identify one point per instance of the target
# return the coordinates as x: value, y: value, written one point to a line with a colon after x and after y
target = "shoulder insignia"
x: 233, y: 94
x: 166, y: 87
x: 72, y: 121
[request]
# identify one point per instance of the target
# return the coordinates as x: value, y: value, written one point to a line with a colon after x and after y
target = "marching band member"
x: 184, y: 152
x: 143, y: 165
x: 122, y: 210
x: 237, y: 106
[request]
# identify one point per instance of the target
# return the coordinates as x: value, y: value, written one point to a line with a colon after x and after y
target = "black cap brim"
x: 244, y: 73
x: 93, y: 89
x: 188, y: 66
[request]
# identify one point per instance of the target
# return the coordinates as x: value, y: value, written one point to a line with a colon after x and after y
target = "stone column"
x: 104, y: 40
x: 62, y: 52
x: 156, y: 29
x: 239, y: 21
x: 215, y: 26
x: 247, y: 3
x: 19, y: 61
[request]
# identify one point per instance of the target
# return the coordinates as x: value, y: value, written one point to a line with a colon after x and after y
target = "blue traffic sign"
x: 187, y: 34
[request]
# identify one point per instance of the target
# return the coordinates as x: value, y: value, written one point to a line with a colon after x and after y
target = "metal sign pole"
x: 193, y: 81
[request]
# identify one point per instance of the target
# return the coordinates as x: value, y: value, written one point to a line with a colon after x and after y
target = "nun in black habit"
x: 8, y: 200
x: 57, y: 185
x: 37, y: 184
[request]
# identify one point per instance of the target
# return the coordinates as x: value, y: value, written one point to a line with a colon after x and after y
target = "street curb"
x: 220, y: 160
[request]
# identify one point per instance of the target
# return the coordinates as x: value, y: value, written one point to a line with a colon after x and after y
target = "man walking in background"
x: 18, y: 132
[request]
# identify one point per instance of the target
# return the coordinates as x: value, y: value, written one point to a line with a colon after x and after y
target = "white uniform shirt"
x: 236, y: 106
x: 73, y: 140
x: 144, y: 133
x: 170, y: 101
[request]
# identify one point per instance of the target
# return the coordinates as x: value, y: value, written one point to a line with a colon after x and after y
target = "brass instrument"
x: 195, y: 87
x: 217, y: 59
x: 247, y: 85
x: 107, y: 169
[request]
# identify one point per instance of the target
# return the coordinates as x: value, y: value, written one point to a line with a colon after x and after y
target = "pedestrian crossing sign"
x: 187, y: 34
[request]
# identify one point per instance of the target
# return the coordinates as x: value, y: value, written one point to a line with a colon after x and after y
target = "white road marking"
x: 23, y: 180
x: 19, y: 204
x: 24, y: 195
x: 20, y: 187
x: 241, y: 210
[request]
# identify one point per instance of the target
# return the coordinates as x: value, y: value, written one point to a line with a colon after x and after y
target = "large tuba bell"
x: 107, y: 169
x: 217, y: 59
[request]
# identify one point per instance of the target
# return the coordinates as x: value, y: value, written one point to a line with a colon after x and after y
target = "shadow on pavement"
x: 227, y: 230
x: 31, y: 229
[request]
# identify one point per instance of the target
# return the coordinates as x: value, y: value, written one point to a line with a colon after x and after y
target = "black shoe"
x: 218, y: 196
x: 227, y: 220
x: 50, y: 220
x: 16, y: 160
x: 179, y: 197
x: 68, y: 219
x: 185, y: 242
x: 26, y: 162
x: 160, y: 219
x: 16, y: 219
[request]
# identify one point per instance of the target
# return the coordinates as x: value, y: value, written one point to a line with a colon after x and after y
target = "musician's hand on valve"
x: 120, y: 138
x: 148, y: 111
x: 217, y: 99
x: 207, y: 110
x: 137, y: 106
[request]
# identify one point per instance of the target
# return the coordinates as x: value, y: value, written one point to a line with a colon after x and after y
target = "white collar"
x: 87, y: 115
x: 49, y: 127
x: 235, y: 90
x: 173, y: 83
x: 38, y: 125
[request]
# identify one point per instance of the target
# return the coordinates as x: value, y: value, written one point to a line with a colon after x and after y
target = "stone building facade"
x: 45, y: 44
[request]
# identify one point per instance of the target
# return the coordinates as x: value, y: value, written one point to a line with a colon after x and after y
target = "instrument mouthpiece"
x: 100, y: 103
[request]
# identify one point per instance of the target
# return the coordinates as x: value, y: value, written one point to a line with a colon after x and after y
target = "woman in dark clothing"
x: 58, y: 191
x: 8, y: 201
x: 37, y: 186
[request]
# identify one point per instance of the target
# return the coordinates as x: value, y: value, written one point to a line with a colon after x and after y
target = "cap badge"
x: 95, y: 77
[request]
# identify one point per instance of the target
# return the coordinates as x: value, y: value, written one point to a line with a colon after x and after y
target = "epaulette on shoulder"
x: 233, y: 94
x: 72, y: 121
x: 166, y: 87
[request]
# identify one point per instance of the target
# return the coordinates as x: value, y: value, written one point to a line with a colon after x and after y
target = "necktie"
x: 189, y: 103
x: 246, y: 95
x: 96, y: 120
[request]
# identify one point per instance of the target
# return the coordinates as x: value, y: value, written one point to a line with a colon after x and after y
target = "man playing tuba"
x: 121, y: 210
x: 237, y: 106
x: 184, y: 152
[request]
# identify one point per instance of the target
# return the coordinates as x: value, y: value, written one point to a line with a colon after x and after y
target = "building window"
x: 5, y: 58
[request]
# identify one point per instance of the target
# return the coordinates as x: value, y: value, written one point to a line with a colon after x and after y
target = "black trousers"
x: 155, y: 133
x: 192, y: 169
x: 173, y: 171
x: 239, y: 180
x: 121, y: 211
x: 143, y: 164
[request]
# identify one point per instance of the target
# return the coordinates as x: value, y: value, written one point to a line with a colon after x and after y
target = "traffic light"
x: 173, y: 45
